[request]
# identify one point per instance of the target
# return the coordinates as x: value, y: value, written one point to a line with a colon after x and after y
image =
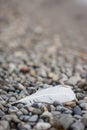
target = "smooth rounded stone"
x: 73, y: 80
x: 20, y: 105
x: 84, y: 120
x: 20, y: 86
x: 35, y: 110
x: 13, y: 109
x: 70, y: 104
x: 24, y: 69
x: 83, y: 106
x: 63, y: 121
x: 47, y: 115
x: 77, y: 126
x: 4, y: 125
x: 1, y: 113
x: 19, y: 113
x: 79, y: 95
x: 77, y: 110
x: 33, y: 118
x: 11, y: 117
x: 24, y: 111
x: 24, y: 126
x: 24, y: 118
x: 42, y: 126
x: 12, y: 99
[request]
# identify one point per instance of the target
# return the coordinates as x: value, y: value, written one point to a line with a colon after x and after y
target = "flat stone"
x: 35, y: 110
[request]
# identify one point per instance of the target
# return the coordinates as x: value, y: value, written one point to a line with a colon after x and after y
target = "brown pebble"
x: 24, y: 69
x: 71, y: 104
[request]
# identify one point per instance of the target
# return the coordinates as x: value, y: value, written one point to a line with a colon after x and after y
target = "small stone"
x: 42, y: 126
x: 71, y: 104
x: 33, y: 118
x: 73, y: 80
x: 84, y: 120
x: 20, y: 86
x: 19, y: 113
x: 24, y: 118
x: 77, y: 126
x: 35, y: 110
x: 83, y: 106
x: 47, y: 115
x: 24, y: 111
x: 20, y: 105
x: 1, y: 113
x: 24, y: 69
x: 77, y: 110
x: 32, y: 72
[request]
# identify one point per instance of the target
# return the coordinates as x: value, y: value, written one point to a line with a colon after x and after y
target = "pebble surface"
x: 38, y: 65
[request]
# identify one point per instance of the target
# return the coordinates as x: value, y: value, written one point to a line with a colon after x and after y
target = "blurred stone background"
x: 19, y: 19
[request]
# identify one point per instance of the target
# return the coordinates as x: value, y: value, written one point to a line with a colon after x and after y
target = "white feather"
x: 50, y: 95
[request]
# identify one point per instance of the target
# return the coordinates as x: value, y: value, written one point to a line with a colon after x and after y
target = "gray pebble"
x: 77, y: 126
x: 19, y: 113
x: 24, y: 111
x: 77, y: 110
x: 73, y: 80
x: 24, y: 118
x: 33, y: 118
x: 83, y: 106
